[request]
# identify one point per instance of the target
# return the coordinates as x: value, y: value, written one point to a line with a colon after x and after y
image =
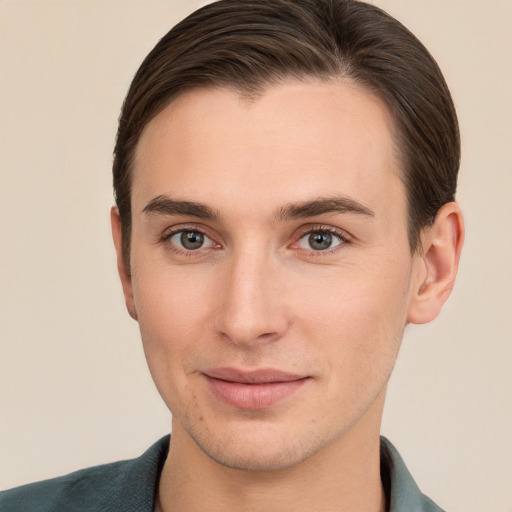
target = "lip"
x: 255, y: 389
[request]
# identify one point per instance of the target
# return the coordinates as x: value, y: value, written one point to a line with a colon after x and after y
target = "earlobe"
x: 122, y: 267
x: 436, y: 268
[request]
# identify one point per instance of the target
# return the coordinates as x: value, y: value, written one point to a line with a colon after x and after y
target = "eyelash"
x: 343, y: 237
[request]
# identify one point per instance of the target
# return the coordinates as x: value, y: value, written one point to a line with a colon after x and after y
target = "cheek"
x: 172, y: 316
x: 170, y: 303
x: 354, y: 301
x: 358, y: 319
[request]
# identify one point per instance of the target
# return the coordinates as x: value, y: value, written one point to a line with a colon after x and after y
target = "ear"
x: 436, y: 267
x: 122, y: 267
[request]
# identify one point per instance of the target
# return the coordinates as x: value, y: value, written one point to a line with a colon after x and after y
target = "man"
x: 284, y: 176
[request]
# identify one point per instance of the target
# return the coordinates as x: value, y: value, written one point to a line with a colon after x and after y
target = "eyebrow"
x: 320, y: 206
x: 166, y: 206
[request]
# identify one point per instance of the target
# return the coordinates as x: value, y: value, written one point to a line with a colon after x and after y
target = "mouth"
x: 253, y: 390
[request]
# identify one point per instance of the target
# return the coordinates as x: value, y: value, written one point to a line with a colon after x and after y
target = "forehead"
x: 296, y: 139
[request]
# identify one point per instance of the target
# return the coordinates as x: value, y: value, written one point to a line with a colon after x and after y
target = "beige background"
x: 74, y: 388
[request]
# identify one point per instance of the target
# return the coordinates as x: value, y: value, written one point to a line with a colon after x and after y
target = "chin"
x: 255, y: 457
x: 259, y: 447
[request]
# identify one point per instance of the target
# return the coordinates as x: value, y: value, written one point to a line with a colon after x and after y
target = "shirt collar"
x: 402, y: 493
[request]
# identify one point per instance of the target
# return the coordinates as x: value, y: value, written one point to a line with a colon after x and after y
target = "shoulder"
x: 76, y: 491
x: 125, y: 485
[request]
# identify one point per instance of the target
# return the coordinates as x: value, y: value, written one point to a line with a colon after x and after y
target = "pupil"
x: 192, y: 240
x: 320, y: 241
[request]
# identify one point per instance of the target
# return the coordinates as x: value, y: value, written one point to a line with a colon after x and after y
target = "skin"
x: 305, y: 158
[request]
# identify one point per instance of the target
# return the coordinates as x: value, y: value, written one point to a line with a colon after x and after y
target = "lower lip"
x: 253, y: 396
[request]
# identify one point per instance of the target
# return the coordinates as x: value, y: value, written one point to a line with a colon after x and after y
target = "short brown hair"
x: 246, y: 45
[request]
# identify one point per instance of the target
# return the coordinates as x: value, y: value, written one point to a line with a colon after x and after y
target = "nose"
x: 252, y: 300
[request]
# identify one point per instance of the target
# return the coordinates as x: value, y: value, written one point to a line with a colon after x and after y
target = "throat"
x: 194, y: 483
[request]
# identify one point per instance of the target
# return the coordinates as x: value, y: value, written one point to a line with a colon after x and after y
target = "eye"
x: 320, y: 240
x: 190, y: 240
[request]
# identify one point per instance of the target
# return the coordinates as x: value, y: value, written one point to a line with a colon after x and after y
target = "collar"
x: 402, y: 493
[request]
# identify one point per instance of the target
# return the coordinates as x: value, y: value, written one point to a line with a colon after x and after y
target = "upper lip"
x: 258, y: 376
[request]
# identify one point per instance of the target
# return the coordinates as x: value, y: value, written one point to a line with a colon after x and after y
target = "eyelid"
x: 326, y: 228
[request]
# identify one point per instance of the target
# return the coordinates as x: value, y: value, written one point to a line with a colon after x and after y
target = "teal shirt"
x: 131, y: 486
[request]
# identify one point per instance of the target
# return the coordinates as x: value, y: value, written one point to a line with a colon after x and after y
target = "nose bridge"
x: 251, y: 307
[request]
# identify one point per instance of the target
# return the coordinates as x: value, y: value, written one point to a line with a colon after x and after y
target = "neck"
x: 344, y: 476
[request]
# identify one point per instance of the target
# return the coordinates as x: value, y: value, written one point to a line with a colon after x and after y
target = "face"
x: 271, y: 273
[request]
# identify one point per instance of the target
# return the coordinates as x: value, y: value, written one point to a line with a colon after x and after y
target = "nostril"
x: 267, y: 335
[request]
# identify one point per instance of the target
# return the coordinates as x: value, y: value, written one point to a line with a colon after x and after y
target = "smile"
x: 254, y: 390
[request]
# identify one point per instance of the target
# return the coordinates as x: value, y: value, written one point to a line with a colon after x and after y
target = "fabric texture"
x: 131, y: 486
